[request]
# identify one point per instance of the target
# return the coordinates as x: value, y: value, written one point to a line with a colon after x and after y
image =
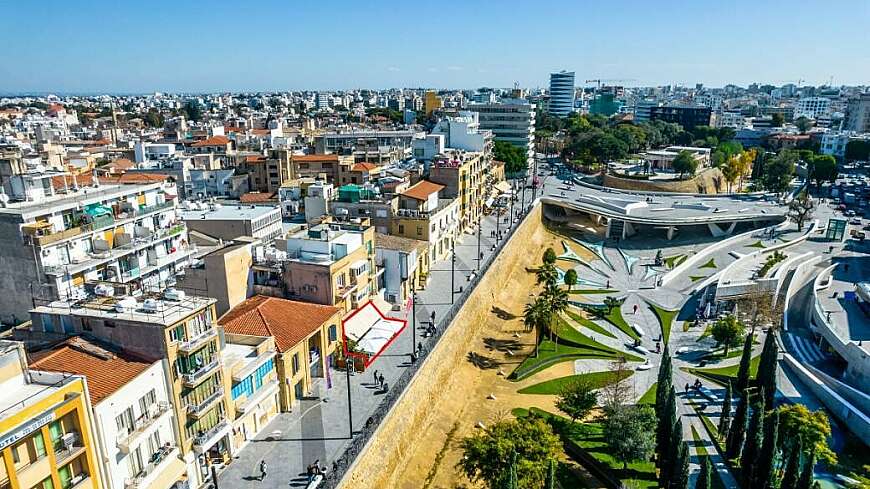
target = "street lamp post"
x: 479, y: 231
x: 349, y: 404
x: 452, y: 270
x: 413, y: 322
x: 513, y: 196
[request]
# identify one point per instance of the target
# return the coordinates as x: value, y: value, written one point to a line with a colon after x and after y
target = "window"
x: 125, y: 421
x: 333, y: 335
x: 65, y: 476
x: 45, y: 484
x: 295, y: 363
x: 401, y: 229
x: 48, y: 323
x: 55, y: 430
x: 136, y: 461
x: 147, y: 400
x: 39, y: 445
x: 419, y: 230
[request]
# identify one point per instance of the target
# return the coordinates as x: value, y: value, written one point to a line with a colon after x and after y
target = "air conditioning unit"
x: 104, y: 290
x: 127, y: 304
x: 174, y: 294
x: 150, y: 305
x: 68, y: 440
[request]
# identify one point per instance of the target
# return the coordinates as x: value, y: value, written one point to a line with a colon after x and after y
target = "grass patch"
x: 757, y: 244
x: 550, y: 353
x: 699, y: 443
x: 571, y: 335
x: 695, y: 278
x: 589, y: 437
x: 711, y: 263
x: 613, y: 317
x: 673, y: 261
x: 649, y: 397
x: 589, y: 324
x: 722, y: 375
x: 666, y: 319
x: 592, y: 291
x: 719, y: 354
x: 596, y: 379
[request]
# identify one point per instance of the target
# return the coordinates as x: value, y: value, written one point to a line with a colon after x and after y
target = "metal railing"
x: 357, y: 445
x: 202, y: 372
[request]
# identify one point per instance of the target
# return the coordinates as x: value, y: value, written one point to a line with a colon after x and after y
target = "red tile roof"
x: 364, y: 167
x: 212, y: 141
x: 256, y: 197
x: 288, y: 321
x: 255, y: 159
x: 106, y: 371
x: 422, y: 190
x: 304, y: 158
x: 87, y: 179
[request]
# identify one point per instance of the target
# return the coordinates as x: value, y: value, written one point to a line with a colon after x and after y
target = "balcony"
x: 193, y: 378
x: 156, y: 462
x: 198, y: 409
x: 69, y: 447
x: 125, y: 441
x: 205, y: 440
x: 196, y: 342
x: 263, y: 392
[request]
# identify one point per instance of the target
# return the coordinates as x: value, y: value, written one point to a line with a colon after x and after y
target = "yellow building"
x: 465, y: 176
x: 423, y: 215
x: 431, y: 103
x: 46, y: 433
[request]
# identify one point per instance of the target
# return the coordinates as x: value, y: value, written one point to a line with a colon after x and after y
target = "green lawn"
x: 699, y: 443
x: 666, y: 319
x: 589, y: 324
x: 757, y: 244
x: 615, y: 318
x: 588, y: 436
x: 592, y: 291
x: 710, y: 264
x: 596, y: 379
x: 673, y: 261
x: 695, y: 278
x: 551, y: 353
x: 721, y: 375
x: 571, y: 335
x: 718, y: 354
x: 649, y: 397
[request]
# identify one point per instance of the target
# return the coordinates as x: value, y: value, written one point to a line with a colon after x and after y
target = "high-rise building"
x: 432, y: 102
x: 858, y: 114
x: 561, y: 93
x: 511, y: 120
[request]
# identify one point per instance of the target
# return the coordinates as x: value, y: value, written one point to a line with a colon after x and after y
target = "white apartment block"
x: 812, y: 107
x: 512, y: 121
x: 464, y: 132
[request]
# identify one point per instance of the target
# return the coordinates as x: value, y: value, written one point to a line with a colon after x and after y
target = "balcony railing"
x: 203, y: 440
x: 197, y: 341
x: 97, y: 223
x: 155, y: 462
x: 195, y: 377
x: 141, y: 425
x: 69, y: 446
x: 197, y: 409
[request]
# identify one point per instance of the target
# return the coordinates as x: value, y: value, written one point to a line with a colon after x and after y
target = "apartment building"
x: 304, y: 347
x: 431, y: 103
x: 378, y: 147
x: 464, y: 176
x: 332, y: 263
x: 463, y: 132
x: 858, y: 114
x: 266, y: 173
x: 355, y: 201
x: 688, y: 117
x: 812, y: 107
x: 134, y: 420
x: 561, y: 93
x: 424, y: 215
x: 511, y: 120
x: 406, y: 264
x: 252, y: 381
x: 46, y: 427
x: 228, y: 222
x: 314, y: 166
x: 221, y: 272
x: 182, y: 331
x: 61, y: 234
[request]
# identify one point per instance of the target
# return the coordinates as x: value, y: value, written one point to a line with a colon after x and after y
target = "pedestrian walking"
x: 687, y: 388
x: 381, y: 380
x: 375, y: 375
x: 262, y: 470
x: 635, y: 309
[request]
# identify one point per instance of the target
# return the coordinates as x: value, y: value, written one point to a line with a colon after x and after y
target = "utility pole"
x: 452, y: 269
x: 479, y: 230
x: 513, y: 196
x: 413, y: 322
x: 349, y: 404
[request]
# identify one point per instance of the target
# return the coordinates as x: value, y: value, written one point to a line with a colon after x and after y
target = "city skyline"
x: 332, y: 46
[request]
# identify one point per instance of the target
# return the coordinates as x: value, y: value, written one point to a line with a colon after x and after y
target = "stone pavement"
x: 318, y: 429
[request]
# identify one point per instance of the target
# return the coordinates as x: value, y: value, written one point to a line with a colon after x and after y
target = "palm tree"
x: 546, y: 274
x: 536, y: 315
x: 611, y: 302
x: 556, y: 302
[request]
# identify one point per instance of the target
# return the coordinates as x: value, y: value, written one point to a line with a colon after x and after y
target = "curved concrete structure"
x: 624, y: 211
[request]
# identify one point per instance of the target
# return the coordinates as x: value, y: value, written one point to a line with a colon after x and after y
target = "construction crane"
x: 599, y: 80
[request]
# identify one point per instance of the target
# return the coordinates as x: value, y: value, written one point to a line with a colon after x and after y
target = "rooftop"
x: 80, y: 197
x: 165, y: 313
x: 288, y: 321
x: 390, y: 242
x: 107, y: 369
x: 229, y: 213
x: 422, y: 190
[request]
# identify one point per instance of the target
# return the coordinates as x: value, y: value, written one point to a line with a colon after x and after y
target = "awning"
x: 503, y: 187
x: 371, y: 330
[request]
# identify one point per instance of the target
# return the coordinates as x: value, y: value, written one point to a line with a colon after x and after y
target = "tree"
x: 800, y: 209
x: 546, y: 274
x: 192, y: 110
x: 765, y: 473
x: 727, y: 331
x: 777, y: 120
x: 549, y: 257
x: 551, y: 475
x: 822, y: 168
x: 734, y: 443
x: 812, y: 428
x: 536, y: 316
x: 665, y: 440
x: 725, y: 417
x: 488, y: 453
x: 570, y: 278
x: 803, y: 124
x: 515, y: 158
x: 857, y: 150
x: 779, y: 171
x: 792, y: 466
x: 705, y: 478
x: 805, y: 481
x: 628, y: 431
x: 752, y: 445
x: 767, y: 364
x: 664, y: 387
x: 685, y: 164
x: 610, y: 303
x: 556, y: 301
x: 577, y: 399
x: 675, y: 462
x: 731, y: 171
x: 743, y: 371
x: 680, y: 475
x: 153, y: 118
x: 619, y: 391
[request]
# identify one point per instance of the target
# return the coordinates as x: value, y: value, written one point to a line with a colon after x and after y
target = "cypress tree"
x: 663, y: 390
x: 666, y: 424
x: 705, y: 477
x: 806, y: 479
x: 752, y: 445
x: 745, y: 361
x: 738, y: 429
x: 551, y: 475
x: 725, y: 417
x: 792, y: 466
x: 765, y: 473
x: 680, y: 475
x: 672, y: 465
x: 767, y: 364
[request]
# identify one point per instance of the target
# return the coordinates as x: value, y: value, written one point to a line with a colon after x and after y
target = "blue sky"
x: 157, y: 45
